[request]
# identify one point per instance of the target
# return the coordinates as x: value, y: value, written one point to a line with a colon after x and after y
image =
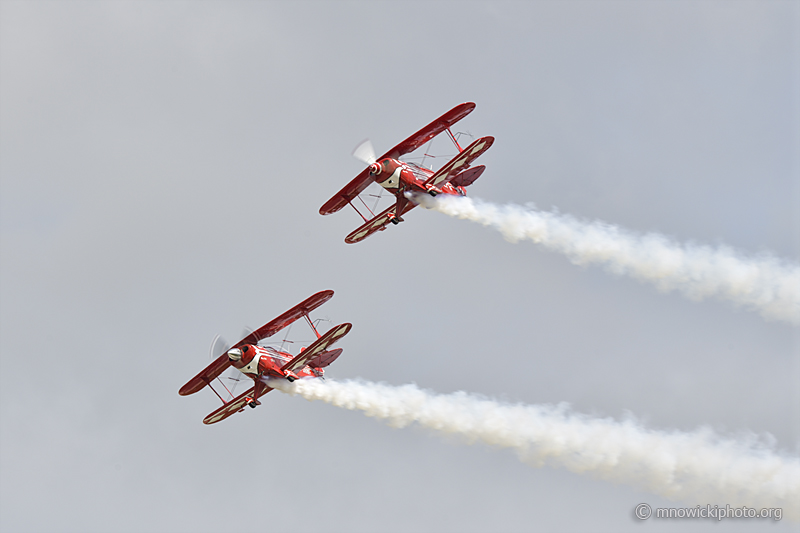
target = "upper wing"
x: 319, y: 346
x: 350, y: 191
x: 303, y: 308
x: 235, y: 405
x: 461, y: 161
x: 218, y: 366
x: 430, y: 131
x: 376, y: 224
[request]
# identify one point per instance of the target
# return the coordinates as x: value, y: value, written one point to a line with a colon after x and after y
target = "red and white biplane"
x: 402, y: 178
x: 261, y: 363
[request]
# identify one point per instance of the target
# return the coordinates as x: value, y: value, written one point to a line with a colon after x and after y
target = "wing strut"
x: 226, y: 388
x: 215, y: 391
x: 312, y: 326
x: 359, y: 212
x: 452, y: 138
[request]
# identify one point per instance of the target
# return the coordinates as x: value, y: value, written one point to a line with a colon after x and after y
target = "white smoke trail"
x: 763, y: 283
x: 698, y: 467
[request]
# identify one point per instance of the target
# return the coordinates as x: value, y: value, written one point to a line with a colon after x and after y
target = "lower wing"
x: 376, y: 224
x: 235, y: 405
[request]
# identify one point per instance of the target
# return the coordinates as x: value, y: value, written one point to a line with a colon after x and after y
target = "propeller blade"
x: 233, y: 376
x: 246, y: 332
x: 218, y: 347
x: 365, y: 152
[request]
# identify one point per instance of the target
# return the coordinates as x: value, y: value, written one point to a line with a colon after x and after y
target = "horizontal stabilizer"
x: 325, y: 358
x: 468, y: 177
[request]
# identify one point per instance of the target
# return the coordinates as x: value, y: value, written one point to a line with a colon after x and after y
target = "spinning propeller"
x: 366, y: 153
x: 218, y: 347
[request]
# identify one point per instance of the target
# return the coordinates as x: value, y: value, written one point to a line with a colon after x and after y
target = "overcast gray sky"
x: 162, y: 165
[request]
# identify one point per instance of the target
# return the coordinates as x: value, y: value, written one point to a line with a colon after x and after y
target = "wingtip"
x: 327, y: 294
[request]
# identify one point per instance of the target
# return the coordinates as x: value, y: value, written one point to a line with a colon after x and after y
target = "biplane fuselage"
x: 262, y: 363
x: 399, y: 177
